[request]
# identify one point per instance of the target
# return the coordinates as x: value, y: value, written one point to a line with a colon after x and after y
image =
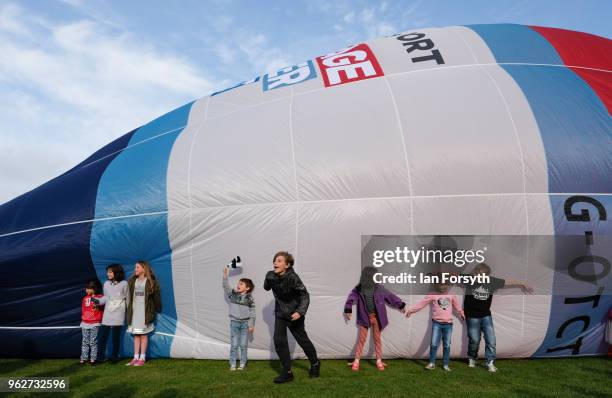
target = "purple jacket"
x: 381, y: 296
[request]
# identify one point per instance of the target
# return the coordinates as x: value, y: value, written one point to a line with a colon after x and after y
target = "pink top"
x: 442, y: 311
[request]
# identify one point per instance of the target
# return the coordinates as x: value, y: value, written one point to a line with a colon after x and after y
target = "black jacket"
x: 290, y: 293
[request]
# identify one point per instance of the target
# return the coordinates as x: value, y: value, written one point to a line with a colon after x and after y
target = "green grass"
x: 578, y: 377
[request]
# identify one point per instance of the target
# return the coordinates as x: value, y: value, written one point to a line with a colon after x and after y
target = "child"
x: 291, y: 303
x: 442, y: 322
x: 370, y: 298
x: 91, y: 315
x: 114, y: 300
x: 477, y: 307
x: 242, y: 317
x: 143, y: 305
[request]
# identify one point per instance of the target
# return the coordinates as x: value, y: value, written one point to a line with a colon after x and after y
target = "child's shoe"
x: 284, y: 378
x: 132, y: 362
x: 81, y: 363
x: 471, y: 363
x: 447, y: 368
x: 380, y: 364
x: 139, y: 362
x: 232, y: 368
x: 93, y: 363
x: 315, y: 370
x: 241, y: 367
x: 354, y: 365
x: 430, y: 366
x: 491, y: 367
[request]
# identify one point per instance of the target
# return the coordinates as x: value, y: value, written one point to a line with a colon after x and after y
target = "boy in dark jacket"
x: 291, y: 304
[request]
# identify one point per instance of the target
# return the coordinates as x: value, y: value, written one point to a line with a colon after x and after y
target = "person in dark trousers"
x: 115, y: 299
x: 290, y: 306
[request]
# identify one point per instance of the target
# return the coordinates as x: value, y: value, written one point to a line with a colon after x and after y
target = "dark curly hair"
x: 118, y: 272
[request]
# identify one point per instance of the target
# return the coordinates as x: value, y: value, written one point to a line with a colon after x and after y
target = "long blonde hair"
x: 148, y: 271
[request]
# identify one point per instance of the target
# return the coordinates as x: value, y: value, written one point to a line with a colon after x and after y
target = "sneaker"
x: 354, y: 365
x: 132, y: 362
x: 315, y: 370
x: 241, y: 367
x: 284, y: 378
x: 139, y: 362
x: 81, y: 363
x: 430, y: 366
x: 491, y: 367
x: 447, y: 368
x: 471, y: 363
x: 380, y: 365
x: 232, y: 368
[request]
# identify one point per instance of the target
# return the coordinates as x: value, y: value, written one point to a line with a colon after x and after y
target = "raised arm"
x: 226, y: 287
x: 269, y: 281
x: 515, y: 283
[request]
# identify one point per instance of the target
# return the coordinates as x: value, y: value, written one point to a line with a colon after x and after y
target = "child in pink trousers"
x: 442, y: 304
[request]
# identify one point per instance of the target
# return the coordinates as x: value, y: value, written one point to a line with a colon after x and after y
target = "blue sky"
x: 75, y: 74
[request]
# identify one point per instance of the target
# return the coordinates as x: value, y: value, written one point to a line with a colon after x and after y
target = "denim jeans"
x: 476, y: 327
x: 443, y: 331
x: 238, y: 338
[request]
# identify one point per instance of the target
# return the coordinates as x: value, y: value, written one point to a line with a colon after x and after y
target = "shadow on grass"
x: 606, y: 373
x: 581, y: 391
x: 523, y: 392
x: 72, y: 372
x: 61, y: 372
x: 114, y: 390
x: 275, y: 366
x: 168, y: 393
x: 295, y: 364
x: 12, y: 365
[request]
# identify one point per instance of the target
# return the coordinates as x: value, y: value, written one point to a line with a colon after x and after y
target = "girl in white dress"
x: 144, y: 304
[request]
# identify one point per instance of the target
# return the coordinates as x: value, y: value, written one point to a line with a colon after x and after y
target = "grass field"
x: 580, y: 377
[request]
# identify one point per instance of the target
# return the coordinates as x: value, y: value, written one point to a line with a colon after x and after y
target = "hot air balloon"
x: 482, y: 129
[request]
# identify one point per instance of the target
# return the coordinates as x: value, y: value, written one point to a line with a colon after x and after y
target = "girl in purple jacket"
x: 371, y: 299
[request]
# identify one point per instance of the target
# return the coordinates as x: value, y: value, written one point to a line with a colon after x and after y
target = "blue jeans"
x: 476, y: 327
x: 238, y: 338
x: 444, y: 331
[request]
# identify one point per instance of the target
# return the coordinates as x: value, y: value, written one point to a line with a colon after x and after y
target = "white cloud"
x: 70, y: 88
x: 263, y: 56
x: 385, y: 29
x: 348, y: 18
x: 225, y: 53
x: 9, y: 20
x: 223, y: 23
